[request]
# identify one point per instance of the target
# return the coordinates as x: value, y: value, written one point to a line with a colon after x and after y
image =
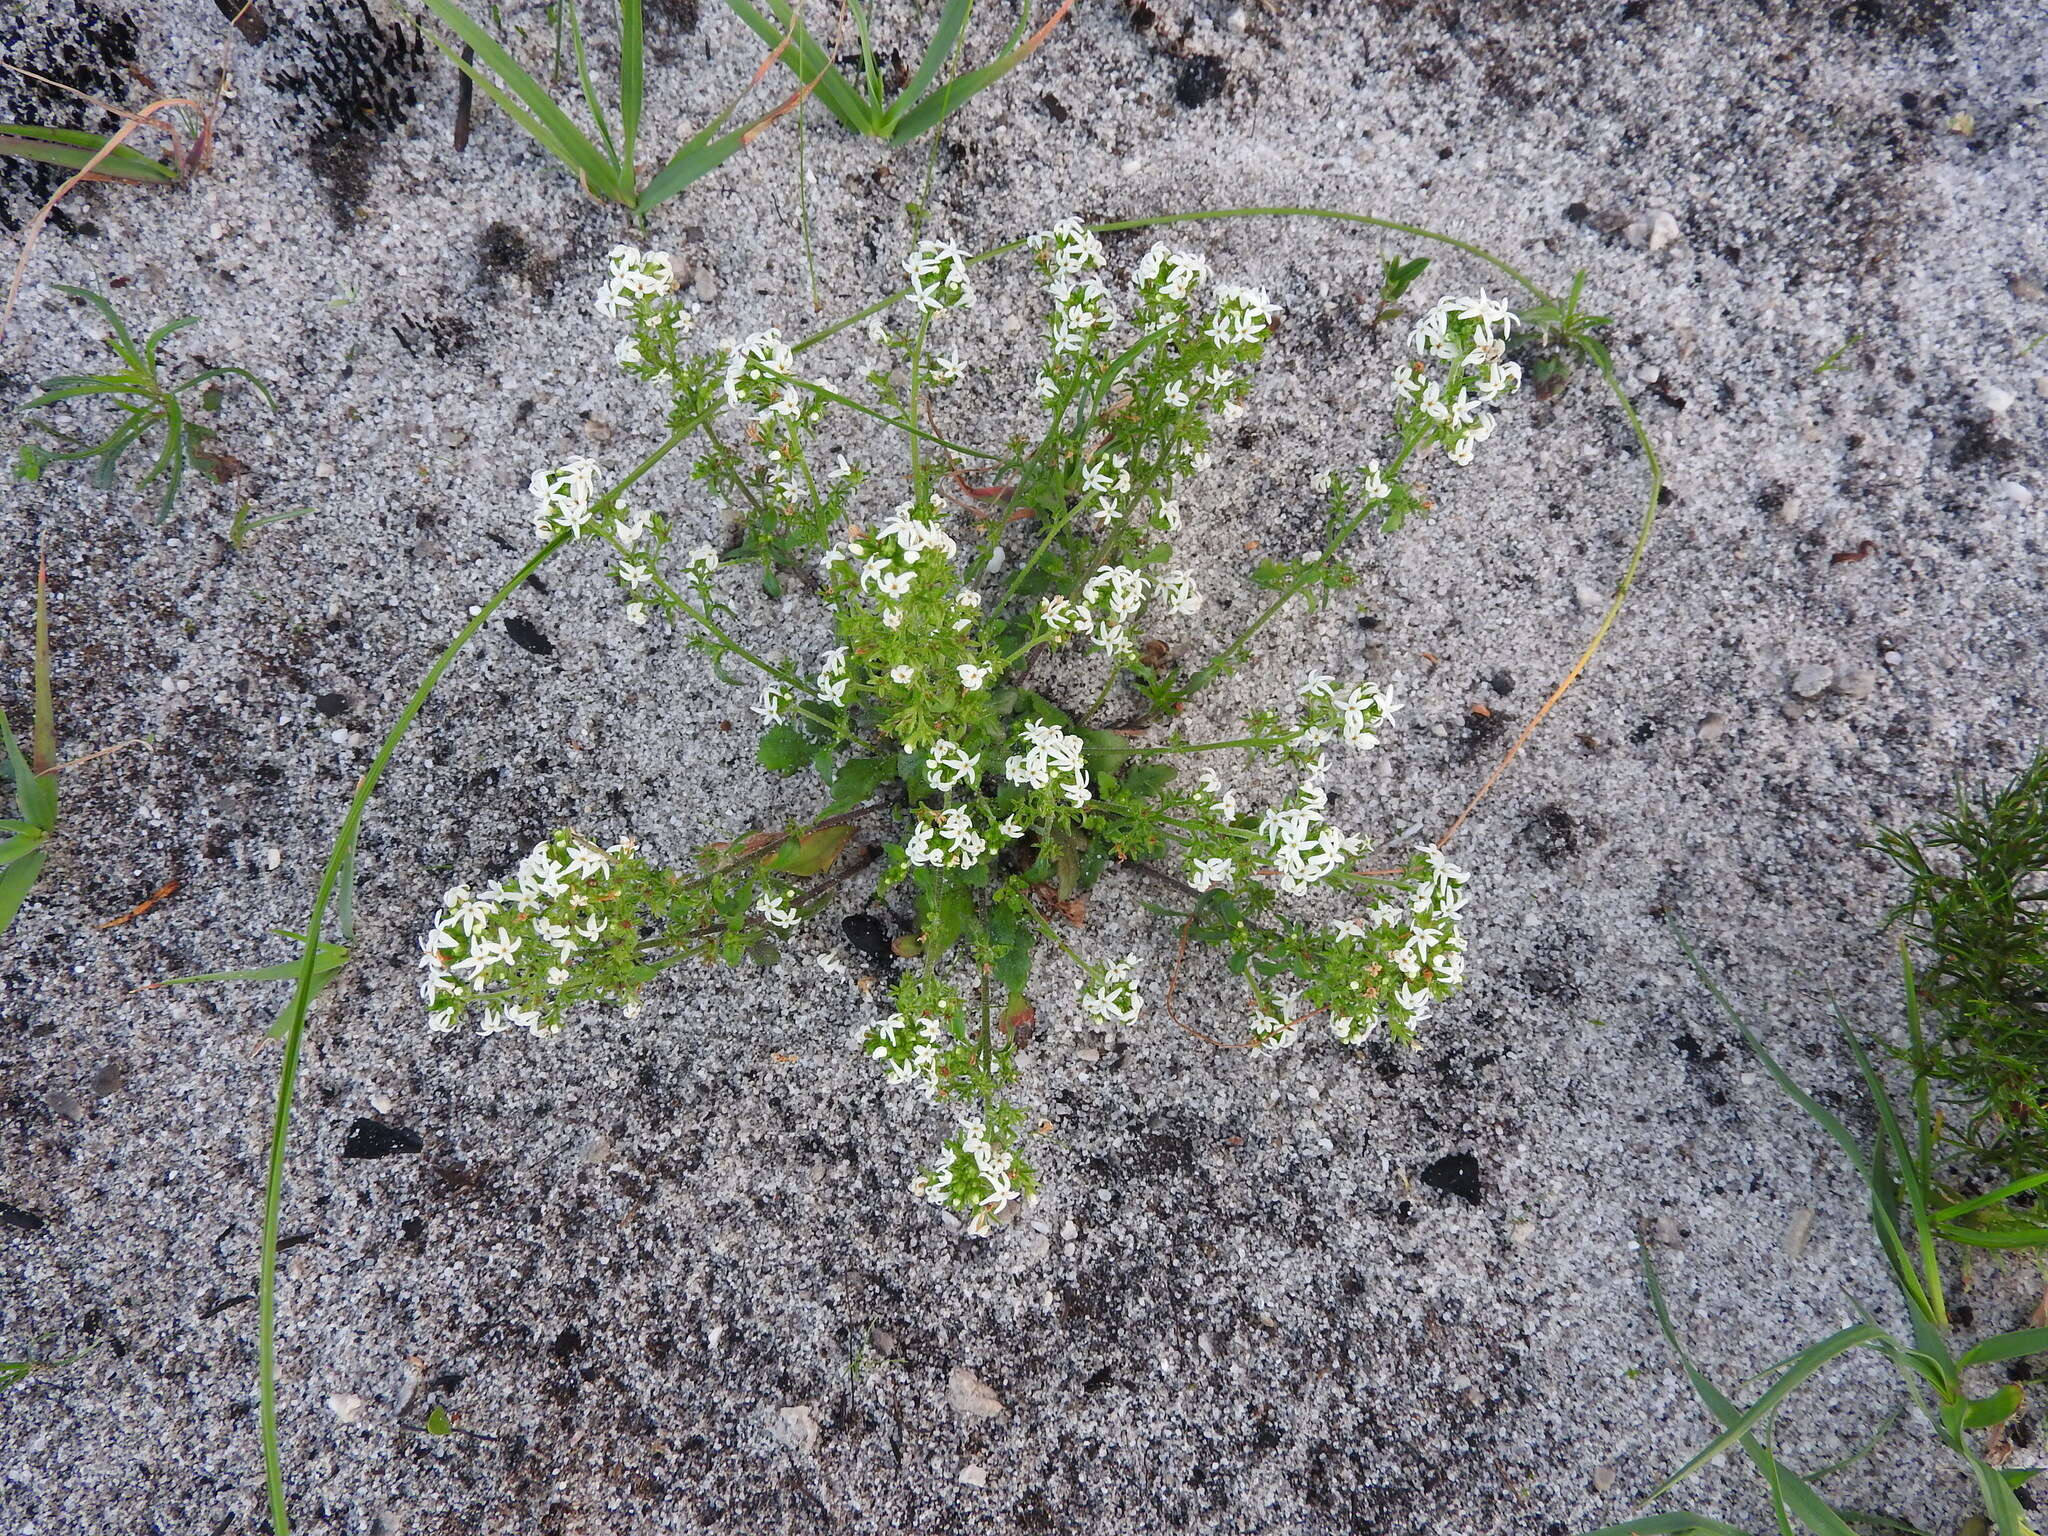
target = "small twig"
x: 80, y: 762
x: 464, y: 90
x: 162, y: 893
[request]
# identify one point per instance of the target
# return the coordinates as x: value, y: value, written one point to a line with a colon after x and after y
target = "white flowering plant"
x: 925, y: 713
x: 935, y: 717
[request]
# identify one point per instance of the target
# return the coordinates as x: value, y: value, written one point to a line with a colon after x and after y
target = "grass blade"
x: 956, y: 93
x: 535, y: 111
x: 1805, y: 1364
x: 2003, y: 1193
x: 16, y: 880
x: 156, y: 339
x: 944, y: 38
x: 36, y: 792
x: 1683, y: 1524
x: 75, y: 151
x: 121, y: 342
x: 800, y: 51
x: 42, y: 741
x: 632, y: 86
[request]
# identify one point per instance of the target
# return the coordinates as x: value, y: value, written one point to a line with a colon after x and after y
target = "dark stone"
x: 332, y: 704
x: 22, y: 1221
x: 869, y: 936
x: 1200, y: 81
x: 372, y: 1138
x: 529, y: 638
x: 1457, y: 1174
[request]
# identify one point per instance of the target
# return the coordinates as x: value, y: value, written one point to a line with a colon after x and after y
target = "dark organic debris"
x: 869, y: 937
x: 525, y: 635
x: 1457, y: 1174
x: 355, y: 83
x: 22, y: 1221
x: 1200, y: 81
x: 372, y: 1138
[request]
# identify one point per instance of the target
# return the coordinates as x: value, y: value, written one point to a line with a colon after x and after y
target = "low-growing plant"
x: 924, y: 97
x: 149, y: 404
x: 24, y: 838
x: 1908, y: 1219
x: 1977, y: 906
x: 937, y: 721
x: 607, y: 165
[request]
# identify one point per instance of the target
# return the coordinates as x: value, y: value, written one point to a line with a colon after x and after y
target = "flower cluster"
x: 1052, y: 761
x: 980, y: 1173
x: 938, y: 276
x: 1356, y: 713
x: 1470, y: 337
x: 640, y: 287
x: 1113, y: 998
x: 526, y: 951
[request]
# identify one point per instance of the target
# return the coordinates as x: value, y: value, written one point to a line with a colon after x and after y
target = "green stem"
x: 1337, y: 541
x: 339, y: 859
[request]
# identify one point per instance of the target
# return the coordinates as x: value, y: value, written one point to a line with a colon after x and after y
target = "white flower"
x: 1211, y: 874
x: 1113, y: 998
x: 829, y: 963
x: 971, y: 676
x: 627, y: 353
x: 775, y: 701
x: 832, y: 678
x: 947, y: 767
x: 902, y: 675
x: 1181, y: 595
x: 775, y: 907
x: 703, y: 560
x: 565, y: 496
x: 636, y: 613
x: 943, y: 368
x: 967, y: 597
x: 1067, y: 249
x: 634, y: 274
x: 938, y: 276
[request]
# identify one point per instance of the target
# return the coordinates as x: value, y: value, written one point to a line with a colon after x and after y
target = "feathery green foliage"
x: 1977, y: 904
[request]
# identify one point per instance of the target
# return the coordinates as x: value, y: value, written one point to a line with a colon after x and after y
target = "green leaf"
x: 1996, y: 1408
x: 2006, y: 1346
x: 437, y: 1420
x: 1014, y: 939
x: 16, y: 880
x: 857, y: 780
x: 811, y: 854
x: 946, y: 912
x: 20, y: 845
x: 1146, y: 780
x: 783, y: 749
x: 74, y: 151
x: 1682, y: 1524
x: 36, y: 793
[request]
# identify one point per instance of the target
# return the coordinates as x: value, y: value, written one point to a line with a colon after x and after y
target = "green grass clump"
x: 1977, y: 905
x: 1908, y: 1220
x: 149, y: 404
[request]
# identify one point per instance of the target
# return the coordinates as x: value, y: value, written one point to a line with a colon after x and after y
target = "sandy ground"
x: 665, y: 1274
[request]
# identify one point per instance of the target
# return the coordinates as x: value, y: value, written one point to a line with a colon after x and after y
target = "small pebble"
x: 1590, y: 599
x: 973, y: 1476
x: 1812, y: 680
x: 1655, y: 229
x: 2023, y: 286
x: 970, y: 1395
x: 796, y: 1426
x: 1995, y: 399
x: 1857, y: 683
x: 1603, y: 1479
x: 1714, y: 727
